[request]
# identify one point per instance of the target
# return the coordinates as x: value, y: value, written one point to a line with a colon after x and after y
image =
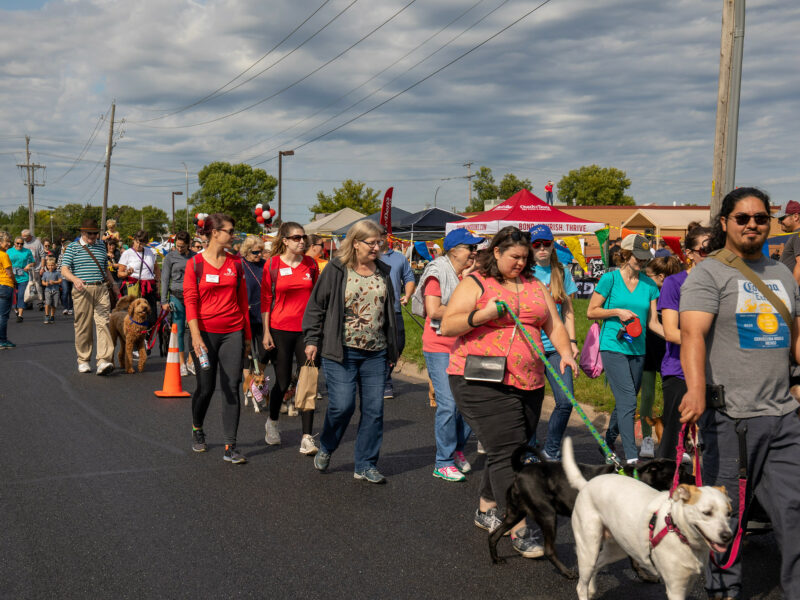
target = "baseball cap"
x: 792, y: 208
x: 638, y: 245
x: 461, y: 236
x: 541, y: 232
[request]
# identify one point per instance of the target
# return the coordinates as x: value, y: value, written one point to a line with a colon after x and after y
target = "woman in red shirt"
x: 215, y: 296
x: 286, y: 285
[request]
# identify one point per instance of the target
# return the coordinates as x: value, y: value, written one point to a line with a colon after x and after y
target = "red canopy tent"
x: 524, y: 210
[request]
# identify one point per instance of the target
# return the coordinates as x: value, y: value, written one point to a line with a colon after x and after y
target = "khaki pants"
x: 92, y: 304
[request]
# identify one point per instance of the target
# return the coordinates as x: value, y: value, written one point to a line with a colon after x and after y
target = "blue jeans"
x: 449, y: 427
x: 560, y: 417
x: 179, y: 318
x: 364, y: 371
x: 6, y: 295
x: 624, y: 374
x: 21, y: 287
x: 401, y: 343
x: 66, y: 294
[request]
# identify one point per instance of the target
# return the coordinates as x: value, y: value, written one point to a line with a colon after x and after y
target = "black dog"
x: 541, y: 491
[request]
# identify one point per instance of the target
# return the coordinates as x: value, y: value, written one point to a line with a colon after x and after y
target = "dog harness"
x: 669, y: 527
x: 136, y: 322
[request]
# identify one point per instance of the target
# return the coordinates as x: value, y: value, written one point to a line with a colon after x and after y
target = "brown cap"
x: 792, y: 208
x: 89, y: 225
x: 638, y: 245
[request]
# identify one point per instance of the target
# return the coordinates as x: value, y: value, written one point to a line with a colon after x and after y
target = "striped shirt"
x: 81, y: 264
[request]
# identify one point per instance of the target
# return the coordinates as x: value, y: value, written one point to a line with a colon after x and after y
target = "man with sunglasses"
x: 402, y: 279
x: 85, y: 266
x: 737, y: 345
x: 790, y: 223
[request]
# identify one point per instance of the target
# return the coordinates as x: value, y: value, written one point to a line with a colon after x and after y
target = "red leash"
x: 151, y: 333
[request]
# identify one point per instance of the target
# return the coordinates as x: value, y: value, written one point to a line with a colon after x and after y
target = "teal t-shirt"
x: 19, y: 260
x: 543, y: 275
x: 612, y: 287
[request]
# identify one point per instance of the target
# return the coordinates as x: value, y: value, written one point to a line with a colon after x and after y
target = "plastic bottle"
x: 204, y: 362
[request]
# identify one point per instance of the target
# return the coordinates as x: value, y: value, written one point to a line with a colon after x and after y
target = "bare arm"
x: 670, y: 320
x: 557, y: 332
x: 796, y: 340
x: 434, y: 307
x: 463, y: 301
x: 568, y: 315
x: 596, y: 310
x: 67, y: 274
x: 409, y: 291
x: 796, y: 270
x: 695, y: 326
x: 652, y: 320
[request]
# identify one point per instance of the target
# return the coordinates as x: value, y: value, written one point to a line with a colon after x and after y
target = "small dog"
x: 656, y: 428
x: 128, y: 323
x: 612, y: 520
x: 259, y: 398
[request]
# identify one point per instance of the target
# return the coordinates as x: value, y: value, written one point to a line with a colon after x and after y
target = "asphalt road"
x: 102, y: 497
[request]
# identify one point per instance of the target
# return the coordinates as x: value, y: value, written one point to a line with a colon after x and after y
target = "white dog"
x: 617, y: 516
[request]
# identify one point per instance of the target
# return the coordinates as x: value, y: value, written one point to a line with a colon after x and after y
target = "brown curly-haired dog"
x: 128, y: 323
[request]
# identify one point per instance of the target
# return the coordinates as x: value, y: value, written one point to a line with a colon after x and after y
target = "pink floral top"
x: 524, y: 370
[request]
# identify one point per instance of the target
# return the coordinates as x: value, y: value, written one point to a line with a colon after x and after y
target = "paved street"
x: 102, y: 497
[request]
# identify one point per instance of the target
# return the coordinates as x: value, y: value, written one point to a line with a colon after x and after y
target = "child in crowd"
x: 51, y: 281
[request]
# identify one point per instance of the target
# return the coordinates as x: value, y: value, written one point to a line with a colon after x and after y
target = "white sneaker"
x: 185, y: 372
x: 135, y: 354
x: 292, y: 410
x: 480, y: 448
x: 308, y: 446
x: 84, y: 368
x: 104, y: 367
x: 273, y: 437
x: 462, y: 464
x: 189, y: 364
x: 65, y: 312
x: 648, y: 448
x: 284, y: 407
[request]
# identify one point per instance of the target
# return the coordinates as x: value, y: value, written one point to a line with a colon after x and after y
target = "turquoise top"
x: 543, y: 275
x: 612, y: 287
x: 19, y: 260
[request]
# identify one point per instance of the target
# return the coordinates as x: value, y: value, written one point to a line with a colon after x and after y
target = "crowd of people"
x: 721, y: 327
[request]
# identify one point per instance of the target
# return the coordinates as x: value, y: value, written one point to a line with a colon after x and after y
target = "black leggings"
x: 674, y: 388
x: 289, y: 346
x: 225, y: 356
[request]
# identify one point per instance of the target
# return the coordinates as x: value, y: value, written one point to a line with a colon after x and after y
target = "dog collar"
x: 669, y: 526
x: 136, y: 322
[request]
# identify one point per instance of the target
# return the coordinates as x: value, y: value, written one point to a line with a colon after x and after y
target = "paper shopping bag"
x: 306, y: 393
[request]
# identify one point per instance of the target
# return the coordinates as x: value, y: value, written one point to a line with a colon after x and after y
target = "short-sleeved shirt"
x: 37, y: 250
x: 748, y: 347
x: 133, y: 259
x: 791, y: 251
x: 293, y: 287
x: 543, y: 275
x: 612, y: 287
x: 670, y: 298
x: 77, y: 260
x: 5, y: 263
x: 19, y: 260
x: 50, y: 276
x: 431, y: 340
x: 364, y: 297
x: 400, y: 274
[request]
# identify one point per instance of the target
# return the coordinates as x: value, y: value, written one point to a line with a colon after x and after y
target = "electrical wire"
x: 84, y: 149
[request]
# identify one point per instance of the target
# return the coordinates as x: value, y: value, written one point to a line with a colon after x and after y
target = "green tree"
x: 484, y: 188
x: 593, y: 185
x: 234, y: 190
x: 352, y: 194
x: 511, y: 184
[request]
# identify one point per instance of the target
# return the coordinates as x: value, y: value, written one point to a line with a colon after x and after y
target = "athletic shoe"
x: 104, y: 367
x: 84, y: 367
x: 322, y: 460
x: 372, y: 475
x: 526, y: 542
x: 7, y: 345
x: 549, y: 458
x: 462, y: 464
x: 487, y: 520
x: 648, y: 448
x: 273, y: 437
x: 292, y: 410
x: 388, y: 392
x: 184, y: 371
x: 65, y: 312
x: 449, y: 473
x: 198, y: 440
x: 190, y: 366
x: 72, y: 312
x: 46, y: 320
x: 481, y: 449
x: 308, y: 446
x: 232, y: 455
x: 19, y: 319
x: 284, y: 407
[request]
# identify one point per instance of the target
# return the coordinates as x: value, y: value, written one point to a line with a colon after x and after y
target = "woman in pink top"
x: 503, y: 415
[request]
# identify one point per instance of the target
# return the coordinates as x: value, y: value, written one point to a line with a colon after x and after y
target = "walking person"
x: 739, y: 333
x: 215, y: 298
x: 66, y: 285
x: 137, y: 266
x: 252, y: 251
x: 436, y: 285
x: 22, y: 262
x: 404, y: 284
x: 35, y: 245
x: 316, y: 250
x: 559, y: 282
x: 84, y: 266
x: 350, y: 322
x: 790, y: 223
x: 51, y: 281
x: 548, y: 191
x: 503, y: 414
x: 6, y: 290
x: 625, y: 300
x: 173, y: 270
x: 286, y: 284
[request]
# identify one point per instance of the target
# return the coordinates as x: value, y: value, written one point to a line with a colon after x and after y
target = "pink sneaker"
x: 462, y: 464
x: 449, y: 473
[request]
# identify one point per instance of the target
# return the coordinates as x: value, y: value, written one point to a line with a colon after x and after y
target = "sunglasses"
x: 699, y: 251
x: 18, y: 243
x: 743, y: 219
x: 256, y: 252
x: 228, y: 231
x: 296, y: 238
x: 519, y: 236
x: 541, y: 244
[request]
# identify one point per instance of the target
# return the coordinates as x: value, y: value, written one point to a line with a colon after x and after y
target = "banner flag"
x: 602, y: 238
x: 574, y: 245
x: 386, y: 210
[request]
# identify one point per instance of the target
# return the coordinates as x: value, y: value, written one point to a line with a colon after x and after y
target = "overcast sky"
x: 624, y: 83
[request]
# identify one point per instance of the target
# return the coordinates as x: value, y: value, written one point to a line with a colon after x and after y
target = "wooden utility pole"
x: 109, y: 147
x: 281, y: 154
x: 469, y: 181
x: 730, y: 80
x: 31, y: 182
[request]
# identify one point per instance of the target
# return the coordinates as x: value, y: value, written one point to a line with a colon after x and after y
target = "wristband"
x: 574, y: 341
x: 469, y: 319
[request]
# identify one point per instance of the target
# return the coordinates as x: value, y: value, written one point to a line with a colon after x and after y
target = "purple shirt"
x: 671, y: 298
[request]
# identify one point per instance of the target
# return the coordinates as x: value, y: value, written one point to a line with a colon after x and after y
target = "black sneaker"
x: 232, y: 455
x: 199, y: 440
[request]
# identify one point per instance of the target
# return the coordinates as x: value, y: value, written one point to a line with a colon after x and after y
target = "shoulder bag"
x: 113, y: 291
x: 591, y: 361
x: 490, y: 369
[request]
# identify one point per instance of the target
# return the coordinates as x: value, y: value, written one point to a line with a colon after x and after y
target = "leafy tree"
x: 593, y: 185
x: 234, y: 190
x: 511, y: 184
x: 485, y: 188
x: 352, y: 194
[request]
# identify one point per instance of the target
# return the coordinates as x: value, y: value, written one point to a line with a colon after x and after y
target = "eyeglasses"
x: 743, y: 219
x: 373, y: 244
x: 470, y: 247
x: 95, y: 233
x: 296, y: 238
x: 197, y: 246
x: 541, y: 244
x: 228, y: 231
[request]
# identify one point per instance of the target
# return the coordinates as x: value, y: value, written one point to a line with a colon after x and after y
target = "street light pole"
x: 281, y: 154
x: 435, y: 194
x: 173, y: 208
x: 185, y: 168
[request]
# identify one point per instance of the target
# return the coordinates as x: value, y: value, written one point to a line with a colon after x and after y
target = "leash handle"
x: 680, y: 450
x: 505, y: 308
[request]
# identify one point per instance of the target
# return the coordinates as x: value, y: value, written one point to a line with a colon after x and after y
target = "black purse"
x: 490, y: 369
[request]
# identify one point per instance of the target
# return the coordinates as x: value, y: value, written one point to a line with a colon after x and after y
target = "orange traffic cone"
x: 172, y: 375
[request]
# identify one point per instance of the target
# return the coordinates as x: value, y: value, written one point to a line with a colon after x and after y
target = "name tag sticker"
x: 286, y: 271
x: 210, y: 278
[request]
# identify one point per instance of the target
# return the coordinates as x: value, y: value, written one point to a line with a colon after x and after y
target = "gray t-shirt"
x: 748, y: 346
x: 52, y: 276
x: 791, y: 251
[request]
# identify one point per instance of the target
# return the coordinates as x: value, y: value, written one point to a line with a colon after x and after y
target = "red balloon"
x: 201, y: 224
x: 259, y: 219
x: 198, y: 216
x: 259, y: 211
x: 271, y: 212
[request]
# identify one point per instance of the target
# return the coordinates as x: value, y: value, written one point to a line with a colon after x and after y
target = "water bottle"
x: 204, y: 363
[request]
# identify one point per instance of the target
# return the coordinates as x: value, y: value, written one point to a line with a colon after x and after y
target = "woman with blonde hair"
x: 351, y: 316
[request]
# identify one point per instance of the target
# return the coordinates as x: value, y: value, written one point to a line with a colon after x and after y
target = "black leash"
x: 410, y: 314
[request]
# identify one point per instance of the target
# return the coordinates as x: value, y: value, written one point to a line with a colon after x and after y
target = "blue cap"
x: 541, y: 232
x: 460, y: 236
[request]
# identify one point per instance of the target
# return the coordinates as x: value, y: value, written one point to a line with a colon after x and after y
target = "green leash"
x: 502, y: 307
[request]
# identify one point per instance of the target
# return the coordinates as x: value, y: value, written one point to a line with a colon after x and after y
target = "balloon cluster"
x: 264, y: 215
x: 200, y: 220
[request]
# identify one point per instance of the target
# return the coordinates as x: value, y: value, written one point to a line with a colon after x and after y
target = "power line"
x: 85, y: 148
x: 290, y: 86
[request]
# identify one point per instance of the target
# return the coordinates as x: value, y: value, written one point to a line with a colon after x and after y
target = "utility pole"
x: 109, y: 148
x: 185, y: 168
x: 31, y: 182
x: 174, y: 229
x: 469, y: 181
x: 730, y: 82
x: 281, y: 154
